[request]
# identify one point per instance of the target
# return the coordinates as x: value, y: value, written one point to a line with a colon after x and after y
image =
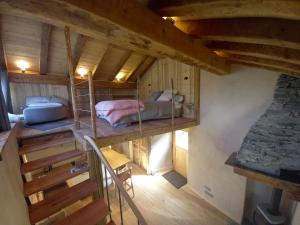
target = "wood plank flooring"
x: 161, y: 203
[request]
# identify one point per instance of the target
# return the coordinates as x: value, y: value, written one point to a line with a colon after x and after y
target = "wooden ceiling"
x: 257, y: 33
x: 128, y: 39
x: 43, y: 46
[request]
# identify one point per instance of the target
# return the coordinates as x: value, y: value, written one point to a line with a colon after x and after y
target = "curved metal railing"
x: 121, y: 189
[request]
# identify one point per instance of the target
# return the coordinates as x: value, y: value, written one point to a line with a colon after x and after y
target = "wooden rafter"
x: 45, y: 40
x: 256, y: 50
x: 129, y: 24
x: 3, y: 64
x: 71, y: 76
x: 276, y: 32
x: 80, y: 43
x: 195, y: 9
x: 63, y: 80
x: 271, y: 64
x: 107, y: 59
x: 142, y: 68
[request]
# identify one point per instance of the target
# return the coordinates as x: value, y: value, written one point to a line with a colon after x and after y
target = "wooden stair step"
x: 48, y: 161
x: 44, y: 145
x: 91, y: 214
x: 48, y: 136
x: 56, y: 176
x: 60, y: 200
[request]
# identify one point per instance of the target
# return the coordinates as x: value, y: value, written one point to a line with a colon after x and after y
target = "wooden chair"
x: 125, y: 177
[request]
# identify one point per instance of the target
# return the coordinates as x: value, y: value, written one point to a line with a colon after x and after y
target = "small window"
x: 182, y: 139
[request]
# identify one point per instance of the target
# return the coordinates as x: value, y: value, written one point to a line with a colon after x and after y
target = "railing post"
x: 71, y: 74
x: 119, y: 185
x: 92, y: 104
x: 95, y: 173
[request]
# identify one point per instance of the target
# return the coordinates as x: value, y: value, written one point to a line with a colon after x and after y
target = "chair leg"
x: 132, y: 187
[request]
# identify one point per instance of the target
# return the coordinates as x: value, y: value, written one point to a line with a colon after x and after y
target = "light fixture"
x: 120, y: 76
x: 170, y: 19
x: 23, y: 65
x: 82, y: 71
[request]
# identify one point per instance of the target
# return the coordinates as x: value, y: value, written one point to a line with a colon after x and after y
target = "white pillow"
x: 166, y: 95
x: 41, y: 104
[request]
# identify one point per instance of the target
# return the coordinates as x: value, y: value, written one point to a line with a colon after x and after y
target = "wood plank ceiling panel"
x: 142, y: 68
x: 130, y: 25
x: 111, y: 63
x: 78, y: 49
x: 131, y: 65
x: 57, y: 63
x: 45, y: 41
x: 92, y: 53
x: 21, y: 41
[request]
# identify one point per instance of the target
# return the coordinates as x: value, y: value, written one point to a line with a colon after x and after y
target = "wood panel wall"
x: 12, y: 202
x: 158, y: 77
x: 19, y: 91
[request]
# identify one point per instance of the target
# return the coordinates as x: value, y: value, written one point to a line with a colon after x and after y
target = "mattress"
x: 44, y: 113
x: 152, y: 111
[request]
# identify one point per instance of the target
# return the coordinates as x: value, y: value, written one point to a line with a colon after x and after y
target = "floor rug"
x: 175, y: 179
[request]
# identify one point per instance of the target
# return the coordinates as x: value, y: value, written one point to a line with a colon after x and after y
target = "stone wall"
x: 273, y: 142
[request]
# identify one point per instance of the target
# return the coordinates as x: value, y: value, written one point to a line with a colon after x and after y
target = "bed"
x: 122, y: 113
x: 41, y: 109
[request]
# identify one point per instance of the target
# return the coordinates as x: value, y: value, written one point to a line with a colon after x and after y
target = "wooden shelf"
x: 292, y: 188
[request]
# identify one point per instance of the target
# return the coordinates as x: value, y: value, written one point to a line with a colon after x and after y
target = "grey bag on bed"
x: 154, y: 96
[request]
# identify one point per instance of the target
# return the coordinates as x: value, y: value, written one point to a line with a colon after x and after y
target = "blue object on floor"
x: 176, y: 179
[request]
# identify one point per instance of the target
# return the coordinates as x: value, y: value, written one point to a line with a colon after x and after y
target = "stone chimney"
x: 272, y: 144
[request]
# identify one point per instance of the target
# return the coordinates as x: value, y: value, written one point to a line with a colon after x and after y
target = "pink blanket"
x: 117, y: 109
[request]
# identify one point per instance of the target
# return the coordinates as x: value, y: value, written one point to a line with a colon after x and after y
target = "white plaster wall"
x: 229, y: 106
x: 296, y: 219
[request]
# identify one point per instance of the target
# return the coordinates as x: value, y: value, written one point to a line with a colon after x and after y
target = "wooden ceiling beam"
x: 266, y: 31
x: 78, y: 49
x: 64, y: 80
x: 195, y: 9
x: 276, y: 65
x: 45, y: 41
x: 3, y: 63
x: 142, y: 68
x: 129, y: 24
x: 256, y: 50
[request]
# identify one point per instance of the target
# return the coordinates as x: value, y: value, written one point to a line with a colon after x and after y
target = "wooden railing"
x: 121, y: 190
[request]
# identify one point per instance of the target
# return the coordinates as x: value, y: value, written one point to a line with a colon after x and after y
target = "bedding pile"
x: 122, y: 113
x: 113, y: 111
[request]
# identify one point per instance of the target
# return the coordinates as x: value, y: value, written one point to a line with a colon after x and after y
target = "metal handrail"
x: 119, y: 185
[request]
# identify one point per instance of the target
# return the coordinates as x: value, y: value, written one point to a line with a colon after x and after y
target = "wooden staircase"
x: 59, y: 168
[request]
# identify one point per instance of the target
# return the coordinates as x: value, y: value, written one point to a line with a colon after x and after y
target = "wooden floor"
x: 107, y: 135
x: 162, y: 204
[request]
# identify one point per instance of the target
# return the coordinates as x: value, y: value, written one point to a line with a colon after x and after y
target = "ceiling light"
x: 23, y: 65
x: 82, y: 71
x: 120, y: 76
